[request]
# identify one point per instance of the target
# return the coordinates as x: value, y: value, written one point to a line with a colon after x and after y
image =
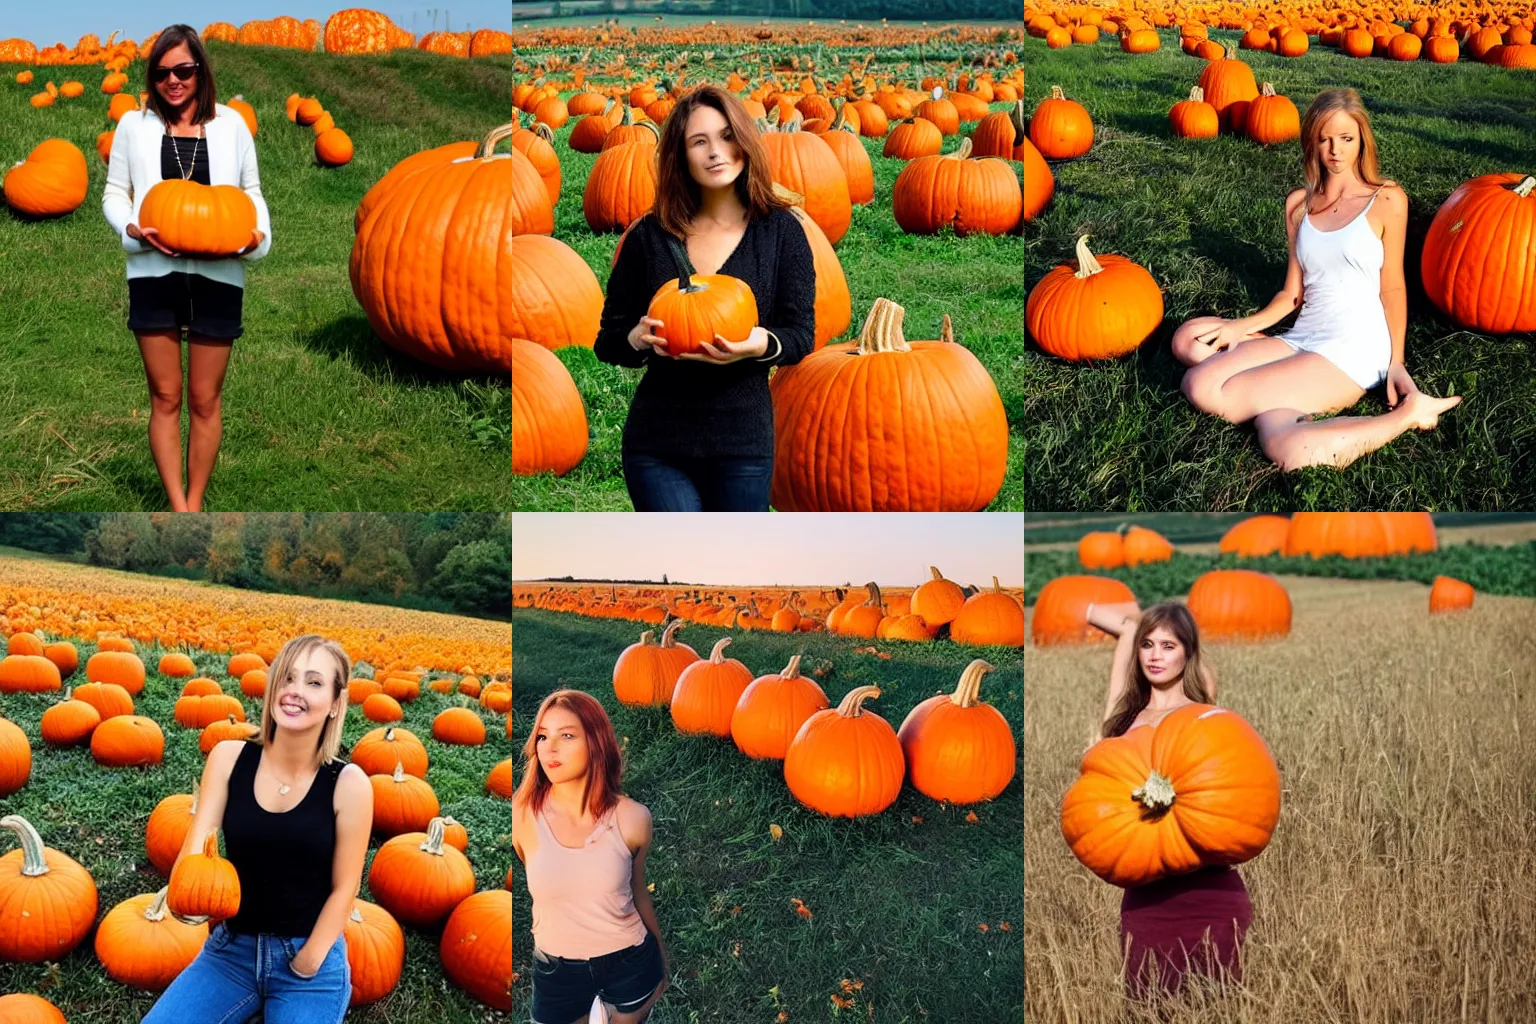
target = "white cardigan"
x: 134, y: 167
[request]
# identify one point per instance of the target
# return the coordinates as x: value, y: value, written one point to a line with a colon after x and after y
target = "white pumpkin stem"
x: 968, y: 690
x: 792, y: 670
x: 648, y: 638
x: 1156, y: 794
x: 1523, y: 190
x: 434, y: 840
x: 1087, y: 265
x: 399, y: 775
x: 156, y: 909
x: 962, y: 153
x: 356, y: 915
x: 852, y: 705
x: 717, y: 654
x: 33, y: 863
x: 669, y: 635
x: 1267, y: 89
x: 1196, y: 94
x: 1057, y: 94
x: 882, y: 329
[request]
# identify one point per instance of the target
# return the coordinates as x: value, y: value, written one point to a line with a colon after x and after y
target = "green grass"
x: 318, y: 413
x: 97, y: 816
x: 897, y: 904
x: 975, y: 280
x: 1206, y: 218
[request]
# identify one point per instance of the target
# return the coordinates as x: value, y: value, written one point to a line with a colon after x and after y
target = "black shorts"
x: 200, y: 304
x: 563, y: 989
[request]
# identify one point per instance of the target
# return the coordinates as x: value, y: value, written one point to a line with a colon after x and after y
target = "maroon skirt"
x: 1193, y: 922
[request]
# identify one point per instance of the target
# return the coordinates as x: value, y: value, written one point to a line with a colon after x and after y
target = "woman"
x: 296, y: 820
x: 1345, y: 230
x: 1183, y: 923
x: 584, y: 844
x: 700, y: 430
x: 182, y: 132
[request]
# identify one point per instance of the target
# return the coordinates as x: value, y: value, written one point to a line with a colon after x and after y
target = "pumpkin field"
x: 811, y: 81
x: 116, y: 806
x: 1394, y: 886
x: 1204, y: 215
x: 318, y: 411
x: 781, y: 894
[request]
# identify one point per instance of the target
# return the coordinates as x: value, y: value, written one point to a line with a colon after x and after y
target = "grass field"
x: 97, y: 816
x: 1396, y: 886
x: 318, y: 413
x: 925, y: 914
x: 975, y: 280
x: 1206, y: 218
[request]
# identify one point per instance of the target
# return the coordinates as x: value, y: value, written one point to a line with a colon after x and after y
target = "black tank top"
x: 194, y: 158
x: 283, y: 860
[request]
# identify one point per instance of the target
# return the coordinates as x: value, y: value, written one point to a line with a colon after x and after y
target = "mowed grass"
x: 1397, y: 884
x: 1206, y: 218
x: 899, y: 905
x: 974, y: 279
x: 319, y: 414
x: 97, y: 816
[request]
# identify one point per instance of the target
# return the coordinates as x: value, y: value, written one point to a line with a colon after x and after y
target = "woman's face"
x: 172, y: 89
x: 1338, y: 142
x: 1162, y: 658
x: 305, y: 698
x: 561, y: 746
x: 714, y: 158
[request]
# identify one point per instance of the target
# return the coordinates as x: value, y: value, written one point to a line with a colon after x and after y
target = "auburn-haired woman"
x: 295, y: 818
x: 699, y: 435
x: 1194, y: 922
x: 1345, y: 229
x: 583, y: 845
x: 182, y: 132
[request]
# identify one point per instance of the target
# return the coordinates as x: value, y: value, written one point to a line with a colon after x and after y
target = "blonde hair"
x: 328, y: 747
x: 1328, y: 103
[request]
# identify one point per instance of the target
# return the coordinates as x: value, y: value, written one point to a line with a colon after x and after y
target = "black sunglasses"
x: 181, y: 71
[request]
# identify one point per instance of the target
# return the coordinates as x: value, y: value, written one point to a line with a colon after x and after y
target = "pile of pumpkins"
x: 842, y: 762
x: 333, y: 147
x: 148, y: 940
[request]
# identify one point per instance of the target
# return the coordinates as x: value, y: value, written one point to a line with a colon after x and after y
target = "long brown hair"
x: 205, y: 97
x: 1174, y: 617
x: 604, y: 762
x: 678, y: 196
x: 1328, y: 103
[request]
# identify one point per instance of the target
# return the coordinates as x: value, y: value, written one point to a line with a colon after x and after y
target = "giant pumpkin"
x: 1479, y: 264
x: 555, y: 298
x: 1256, y: 537
x: 1359, y: 534
x: 1239, y: 604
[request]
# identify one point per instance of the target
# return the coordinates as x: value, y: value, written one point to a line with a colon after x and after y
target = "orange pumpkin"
x: 1240, y: 604
x: 646, y: 672
x: 771, y: 710
x: 707, y: 692
x: 989, y: 618
x: 1450, y: 595
x: 51, y: 182
x: 1061, y: 608
x: 201, y: 220
x: 846, y: 761
x: 957, y: 748
x: 1256, y: 537
x: 937, y: 601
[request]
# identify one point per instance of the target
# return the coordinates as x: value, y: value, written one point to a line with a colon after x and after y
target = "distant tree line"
x: 440, y: 561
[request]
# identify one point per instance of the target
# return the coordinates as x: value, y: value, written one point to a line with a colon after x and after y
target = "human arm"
x: 117, y: 199
x: 1286, y: 300
x: 354, y: 821
x: 624, y: 303
x: 1118, y: 620
x: 250, y: 182
x: 638, y: 834
x: 1393, y: 205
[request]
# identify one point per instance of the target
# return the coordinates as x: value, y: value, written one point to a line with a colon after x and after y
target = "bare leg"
x: 1189, y: 351
x: 207, y: 363
x: 1303, y: 380
x: 1203, y: 384
x: 162, y: 367
x: 1292, y: 439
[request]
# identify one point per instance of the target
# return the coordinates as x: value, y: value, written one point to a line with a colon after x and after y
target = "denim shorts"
x: 205, y: 307
x: 234, y: 976
x: 563, y: 988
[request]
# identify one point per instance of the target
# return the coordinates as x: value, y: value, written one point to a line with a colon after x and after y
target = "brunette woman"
x: 1345, y: 230
x: 699, y: 435
x: 182, y: 132
x: 583, y: 844
x: 295, y: 817
x: 1183, y: 923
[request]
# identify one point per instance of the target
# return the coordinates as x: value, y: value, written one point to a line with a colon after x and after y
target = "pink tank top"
x: 583, y: 903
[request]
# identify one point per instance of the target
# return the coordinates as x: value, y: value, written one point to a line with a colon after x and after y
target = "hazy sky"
x: 768, y: 548
x: 48, y: 23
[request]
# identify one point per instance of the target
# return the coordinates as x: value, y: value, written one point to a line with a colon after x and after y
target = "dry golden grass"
x: 1400, y: 886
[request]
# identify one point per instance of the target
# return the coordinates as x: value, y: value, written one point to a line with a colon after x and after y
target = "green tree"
x: 226, y: 550
x: 54, y: 532
x: 184, y: 538
x: 125, y: 540
x: 476, y: 578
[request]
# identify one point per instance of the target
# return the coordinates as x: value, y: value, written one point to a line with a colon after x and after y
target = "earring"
x: 333, y: 714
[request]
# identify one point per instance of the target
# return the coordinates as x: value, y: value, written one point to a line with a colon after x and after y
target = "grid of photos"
x: 767, y: 255
x: 1280, y: 257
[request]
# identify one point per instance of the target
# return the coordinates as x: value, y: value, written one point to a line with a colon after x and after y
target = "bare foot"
x: 1423, y: 411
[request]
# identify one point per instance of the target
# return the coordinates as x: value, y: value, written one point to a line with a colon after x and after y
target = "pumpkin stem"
x: 1196, y: 94
x: 389, y: 733
x: 1267, y: 89
x: 543, y: 131
x: 997, y: 588
x: 792, y: 670
x: 963, y: 153
x: 1087, y: 266
x: 882, y: 329
x: 1057, y: 94
x: 717, y: 654
x: 195, y: 795
x: 156, y: 909
x: 1523, y: 190
x: 32, y: 862
x: 211, y: 845
x: 852, y: 705
x: 788, y: 195
x: 355, y: 915
x: 967, y: 692
x: 1156, y: 794
x: 495, y: 136
x: 399, y: 775
x: 935, y: 570
x: 669, y: 636
x: 434, y: 840
x: 1017, y: 117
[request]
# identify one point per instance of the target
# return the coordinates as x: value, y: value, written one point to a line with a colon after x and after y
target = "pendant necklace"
x: 186, y: 175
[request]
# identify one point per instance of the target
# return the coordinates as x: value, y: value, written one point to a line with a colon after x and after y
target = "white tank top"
x: 583, y: 900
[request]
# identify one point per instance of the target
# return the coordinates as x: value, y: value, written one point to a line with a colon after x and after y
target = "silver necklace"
x: 185, y: 176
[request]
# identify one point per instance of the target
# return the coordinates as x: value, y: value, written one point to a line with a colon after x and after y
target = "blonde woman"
x: 295, y: 818
x: 1345, y: 230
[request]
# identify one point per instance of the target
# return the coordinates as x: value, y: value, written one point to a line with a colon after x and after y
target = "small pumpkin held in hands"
x: 199, y: 220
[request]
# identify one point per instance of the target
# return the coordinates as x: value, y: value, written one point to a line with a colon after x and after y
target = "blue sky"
x: 893, y: 549
x: 48, y: 23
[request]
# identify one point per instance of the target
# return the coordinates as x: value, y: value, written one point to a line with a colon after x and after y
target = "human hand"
x: 257, y: 237
x: 303, y: 965
x: 152, y: 236
x: 722, y: 351
x: 641, y: 336
x: 1399, y: 384
x: 1223, y: 335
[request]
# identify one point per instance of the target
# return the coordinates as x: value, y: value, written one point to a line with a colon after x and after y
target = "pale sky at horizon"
x: 764, y: 549
x: 46, y: 24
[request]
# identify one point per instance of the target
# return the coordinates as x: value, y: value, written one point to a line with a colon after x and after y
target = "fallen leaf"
x: 776, y: 832
x: 840, y: 1002
x: 972, y: 818
x: 983, y: 927
x: 650, y: 886
x: 916, y: 820
x: 1005, y: 926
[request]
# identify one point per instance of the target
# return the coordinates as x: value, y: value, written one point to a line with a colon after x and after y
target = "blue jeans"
x: 234, y: 976
x: 681, y: 484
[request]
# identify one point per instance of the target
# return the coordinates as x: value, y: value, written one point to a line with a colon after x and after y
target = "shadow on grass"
x: 351, y: 338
